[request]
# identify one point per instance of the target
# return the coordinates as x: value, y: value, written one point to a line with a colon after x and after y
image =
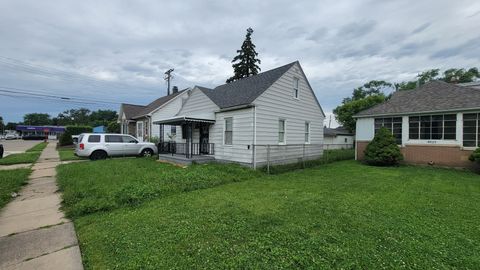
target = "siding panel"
x: 277, y: 103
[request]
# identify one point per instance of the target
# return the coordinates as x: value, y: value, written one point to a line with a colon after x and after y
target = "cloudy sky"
x: 117, y: 51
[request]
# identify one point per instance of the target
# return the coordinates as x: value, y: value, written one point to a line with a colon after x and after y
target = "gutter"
x: 413, y: 113
x: 234, y: 108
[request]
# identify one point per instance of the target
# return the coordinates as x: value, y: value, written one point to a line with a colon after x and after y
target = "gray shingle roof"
x: 430, y: 97
x: 331, y: 132
x: 244, y: 91
x: 131, y: 110
x: 156, y: 103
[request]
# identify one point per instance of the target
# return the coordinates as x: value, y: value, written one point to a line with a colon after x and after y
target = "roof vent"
x: 174, y: 90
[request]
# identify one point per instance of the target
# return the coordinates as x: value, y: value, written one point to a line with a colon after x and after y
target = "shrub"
x: 113, y: 127
x: 383, y: 150
x: 66, y: 138
x: 475, y: 156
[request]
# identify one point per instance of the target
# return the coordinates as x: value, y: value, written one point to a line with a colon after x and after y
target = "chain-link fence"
x: 299, y: 155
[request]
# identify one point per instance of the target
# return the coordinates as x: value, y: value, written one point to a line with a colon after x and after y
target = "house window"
x: 228, y: 137
x: 307, y: 132
x: 432, y: 127
x: 394, y: 124
x: 471, y: 130
x: 295, y: 87
x: 173, y: 130
x: 281, y: 131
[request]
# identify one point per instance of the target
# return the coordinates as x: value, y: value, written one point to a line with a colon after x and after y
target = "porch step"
x: 182, y: 160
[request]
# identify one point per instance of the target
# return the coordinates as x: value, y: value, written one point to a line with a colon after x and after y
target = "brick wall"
x: 449, y: 156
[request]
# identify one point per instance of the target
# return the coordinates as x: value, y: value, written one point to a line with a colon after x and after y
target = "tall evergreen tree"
x: 245, y: 63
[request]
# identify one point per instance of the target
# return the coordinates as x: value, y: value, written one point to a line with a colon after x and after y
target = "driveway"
x: 17, y: 146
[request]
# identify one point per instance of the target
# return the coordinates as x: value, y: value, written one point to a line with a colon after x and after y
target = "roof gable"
x: 430, y: 97
x: 246, y: 90
x: 157, y: 103
x: 130, y: 110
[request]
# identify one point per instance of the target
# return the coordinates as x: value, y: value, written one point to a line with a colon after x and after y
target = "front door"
x: 140, y: 131
x: 204, y: 139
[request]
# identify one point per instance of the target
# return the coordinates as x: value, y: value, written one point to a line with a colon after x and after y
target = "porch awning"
x: 178, y: 120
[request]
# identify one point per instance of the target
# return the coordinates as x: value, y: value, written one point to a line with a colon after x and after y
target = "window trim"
x: 296, y: 88
x: 284, y: 131
x: 225, y: 131
x: 419, y: 128
x: 307, y: 133
x: 477, y: 131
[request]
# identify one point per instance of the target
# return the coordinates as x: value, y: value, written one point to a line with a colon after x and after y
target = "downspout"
x: 254, y: 157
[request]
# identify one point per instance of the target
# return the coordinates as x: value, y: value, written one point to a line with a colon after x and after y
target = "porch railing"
x: 187, y: 149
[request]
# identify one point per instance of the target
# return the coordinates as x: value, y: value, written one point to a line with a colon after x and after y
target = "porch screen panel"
x: 394, y: 124
x: 471, y: 130
x: 432, y: 127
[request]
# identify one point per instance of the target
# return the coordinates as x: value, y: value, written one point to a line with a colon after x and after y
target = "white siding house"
x: 337, y: 138
x: 137, y: 120
x: 274, y: 114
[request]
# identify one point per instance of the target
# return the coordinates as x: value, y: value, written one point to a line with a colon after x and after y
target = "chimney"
x: 174, y: 90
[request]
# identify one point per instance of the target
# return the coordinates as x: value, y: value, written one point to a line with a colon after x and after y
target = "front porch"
x: 193, y: 146
x: 183, y: 160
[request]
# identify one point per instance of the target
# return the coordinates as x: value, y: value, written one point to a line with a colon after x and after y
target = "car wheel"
x: 97, y: 155
x: 147, y: 152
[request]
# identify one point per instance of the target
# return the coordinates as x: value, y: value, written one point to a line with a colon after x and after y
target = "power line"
x: 49, y: 100
x: 33, y: 92
x: 61, y: 74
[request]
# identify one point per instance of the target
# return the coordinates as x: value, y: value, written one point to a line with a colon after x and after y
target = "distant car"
x: 10, y: 136
x: 102, y: 145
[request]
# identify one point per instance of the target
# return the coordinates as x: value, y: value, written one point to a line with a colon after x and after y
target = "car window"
x: 80, y: 138
x: 128, y: 139
x: 94, y: 138
x: 113, y: 139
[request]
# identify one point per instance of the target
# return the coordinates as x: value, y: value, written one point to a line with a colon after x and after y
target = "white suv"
x: 102, y: 145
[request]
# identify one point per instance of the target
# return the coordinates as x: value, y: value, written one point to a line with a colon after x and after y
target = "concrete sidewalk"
x: 34, y: 233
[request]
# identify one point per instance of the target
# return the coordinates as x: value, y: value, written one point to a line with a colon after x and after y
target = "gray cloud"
x: 356, y: 29
x: 466, y: 49
x: 120, y: 50
x: 421, y: 28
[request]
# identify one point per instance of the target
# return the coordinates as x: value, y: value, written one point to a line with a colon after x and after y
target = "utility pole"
x: 168, y: 77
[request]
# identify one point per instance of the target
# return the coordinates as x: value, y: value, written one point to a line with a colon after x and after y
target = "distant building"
x: 99, y: 129
x: 337, y: 138
x: 38, y: 132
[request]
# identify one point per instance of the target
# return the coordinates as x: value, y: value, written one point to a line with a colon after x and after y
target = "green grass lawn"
x: 38, y: 147
x: 27, y: 157
x: 67, y: 154
x: 108, y: 184
x: 338, y: 215
x: 30, y: 156
x: 11, y: 181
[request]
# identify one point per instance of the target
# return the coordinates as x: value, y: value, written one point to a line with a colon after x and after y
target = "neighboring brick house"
x: 437, y: 123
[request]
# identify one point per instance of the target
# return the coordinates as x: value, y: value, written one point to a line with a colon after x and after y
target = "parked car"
x: 32, y: 137
x: 10, y: 136
x: 102, y: 145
